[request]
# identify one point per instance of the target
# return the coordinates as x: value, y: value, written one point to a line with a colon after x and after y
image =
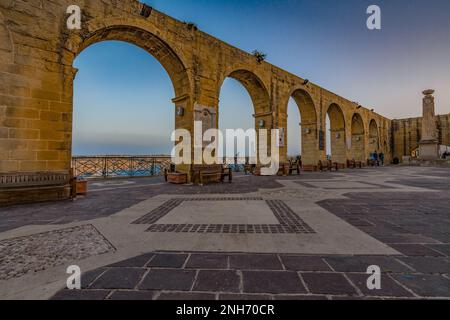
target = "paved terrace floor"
x: 302, y: 237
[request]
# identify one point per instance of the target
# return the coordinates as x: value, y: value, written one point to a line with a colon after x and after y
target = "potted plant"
x: 81, y: 186
x: 260, y: 56
x: 191, y: 25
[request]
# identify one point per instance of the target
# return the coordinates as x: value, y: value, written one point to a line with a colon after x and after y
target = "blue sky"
x: 122, y: 95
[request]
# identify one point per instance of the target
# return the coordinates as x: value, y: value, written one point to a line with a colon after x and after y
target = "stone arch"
x: 146, y: 40
x: 374, y: 137
x: 358, y: 149
x: 255, y: 88
x: 308, y: 116
x: 6, y: 43
x: 338, y: 137
x: 135, y: 34
x: 259, y: 96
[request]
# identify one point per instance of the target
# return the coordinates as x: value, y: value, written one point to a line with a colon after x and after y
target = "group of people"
x: 378, y: 158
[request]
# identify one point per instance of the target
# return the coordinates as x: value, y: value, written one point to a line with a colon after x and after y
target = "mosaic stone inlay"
x: 289, y: 221
x: 20, y: 256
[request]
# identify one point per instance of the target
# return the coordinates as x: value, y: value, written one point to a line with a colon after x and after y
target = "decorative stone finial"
x: 428, y: 92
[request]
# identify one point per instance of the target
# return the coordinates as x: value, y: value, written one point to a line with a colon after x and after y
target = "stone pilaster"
x: 429, y: 146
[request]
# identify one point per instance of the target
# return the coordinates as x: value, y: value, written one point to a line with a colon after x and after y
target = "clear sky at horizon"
x: 123, y: 96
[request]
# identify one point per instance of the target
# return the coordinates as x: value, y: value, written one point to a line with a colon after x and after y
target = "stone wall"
x: 407, y: 134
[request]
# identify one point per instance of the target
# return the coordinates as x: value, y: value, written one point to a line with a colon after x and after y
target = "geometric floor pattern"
x: 289, y: 221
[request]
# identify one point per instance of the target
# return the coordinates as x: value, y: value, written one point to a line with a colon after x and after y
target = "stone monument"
x: 429, y: 144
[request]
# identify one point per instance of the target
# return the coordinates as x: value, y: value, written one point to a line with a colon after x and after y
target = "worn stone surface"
x: 413, y: 219
x: 20, y: 256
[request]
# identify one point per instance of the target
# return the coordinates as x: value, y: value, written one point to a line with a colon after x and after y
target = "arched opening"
x: 374, y: 140
x: 124, y: 98
x: 308, y: 126
x: 336, y: 134
x: 150, y: 43
x: 358, y: 138
x: 243, y: 104
x: 235, y: 112
x: 294, y: 130
x: 121, y: 106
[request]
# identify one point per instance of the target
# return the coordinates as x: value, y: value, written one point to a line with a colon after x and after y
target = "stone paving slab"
x: 250, y: 281
x: 393, y: 220
x: 275, y: 282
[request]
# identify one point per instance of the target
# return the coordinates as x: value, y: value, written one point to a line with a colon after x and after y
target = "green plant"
x: 260, y: 56
x: 191, y: 25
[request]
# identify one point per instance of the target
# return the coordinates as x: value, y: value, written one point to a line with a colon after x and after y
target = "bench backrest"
x: 207, y: 168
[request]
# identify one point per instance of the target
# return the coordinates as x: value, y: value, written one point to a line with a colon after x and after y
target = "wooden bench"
x: 353, y: 164
x: 213, y: 172
x: 327, y: 166
x: 333, y: 165
x: 371, y: 163
x: 309, y: 167
x: 295, y: 166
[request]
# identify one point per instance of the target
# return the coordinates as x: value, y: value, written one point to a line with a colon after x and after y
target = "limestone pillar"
x: 429, y: 148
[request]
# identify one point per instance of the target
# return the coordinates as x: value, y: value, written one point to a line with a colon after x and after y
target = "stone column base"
x: 428, y: 150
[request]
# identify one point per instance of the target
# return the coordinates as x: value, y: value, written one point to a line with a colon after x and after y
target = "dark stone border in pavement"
x: 289, y: 221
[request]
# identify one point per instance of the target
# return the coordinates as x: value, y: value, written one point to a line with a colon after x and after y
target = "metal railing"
x: 119, y: 166
x: 128, y: 166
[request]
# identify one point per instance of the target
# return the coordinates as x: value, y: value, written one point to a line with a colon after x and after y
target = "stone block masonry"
x: 36, y: 86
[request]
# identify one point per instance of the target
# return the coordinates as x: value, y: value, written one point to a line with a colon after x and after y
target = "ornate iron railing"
x: 127, y: 166
x: 120, y: 166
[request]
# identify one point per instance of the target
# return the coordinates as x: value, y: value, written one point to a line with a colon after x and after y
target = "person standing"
x: 381, y: 157
x: 375, y: 158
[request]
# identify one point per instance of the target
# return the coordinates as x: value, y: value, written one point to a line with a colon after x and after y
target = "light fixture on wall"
x: 358, y: 138
x: 338, y: 135
x: 305, y: 82
x: 307, y: 131
x: 359, y: 107
x: 261, y: 123
x: 146, y: 11
x: 180, y: 111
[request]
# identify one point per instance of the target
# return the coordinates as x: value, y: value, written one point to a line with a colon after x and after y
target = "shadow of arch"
x: 374, y: 137
x: 358, y: 149
x: 308, y: 116
x: 338, y: 137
